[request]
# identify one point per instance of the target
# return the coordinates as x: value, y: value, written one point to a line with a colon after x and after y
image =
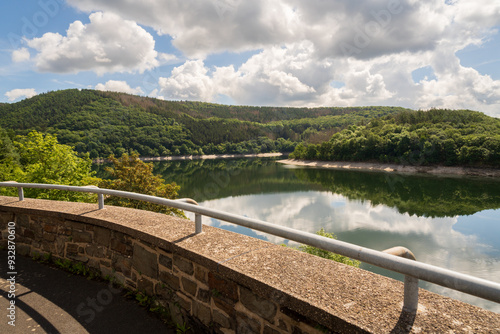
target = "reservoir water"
x: 450, y: 222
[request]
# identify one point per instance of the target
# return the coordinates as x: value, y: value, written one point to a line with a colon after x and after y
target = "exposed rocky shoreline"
x: 202, y: 157
x: 369, y: 166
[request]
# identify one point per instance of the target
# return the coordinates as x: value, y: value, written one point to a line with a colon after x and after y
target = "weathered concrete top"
x: 325, y: 290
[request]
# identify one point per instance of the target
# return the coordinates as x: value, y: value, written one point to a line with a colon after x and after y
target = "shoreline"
x: 382, y: 167
x: 203, y: 157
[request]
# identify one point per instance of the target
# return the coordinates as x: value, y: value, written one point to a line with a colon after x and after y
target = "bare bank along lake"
x: 450, y: 222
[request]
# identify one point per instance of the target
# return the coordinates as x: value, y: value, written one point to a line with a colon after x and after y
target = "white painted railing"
x: 404, y: 261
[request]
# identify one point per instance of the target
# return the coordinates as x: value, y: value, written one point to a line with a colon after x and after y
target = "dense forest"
x: 105, y: 123
x: 447, y: 137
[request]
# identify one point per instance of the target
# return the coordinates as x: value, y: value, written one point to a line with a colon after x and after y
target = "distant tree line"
x: 448, y: 137
x: 105, y: 123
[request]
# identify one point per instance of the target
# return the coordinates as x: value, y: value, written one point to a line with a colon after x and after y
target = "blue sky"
x: 416, y: 54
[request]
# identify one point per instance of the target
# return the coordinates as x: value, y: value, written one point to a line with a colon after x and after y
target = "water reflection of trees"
x: 212, y: 179
x: 429, y: 196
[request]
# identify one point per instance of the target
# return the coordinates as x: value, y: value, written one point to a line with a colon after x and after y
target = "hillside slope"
x: 104, y: 123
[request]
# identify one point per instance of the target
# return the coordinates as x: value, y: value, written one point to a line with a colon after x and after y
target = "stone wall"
x: 223, y: 282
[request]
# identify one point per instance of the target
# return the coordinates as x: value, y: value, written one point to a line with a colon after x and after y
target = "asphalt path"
x: 50, y: 300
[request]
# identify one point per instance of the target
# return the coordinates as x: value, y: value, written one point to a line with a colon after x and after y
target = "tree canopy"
x: 448, y: 137
x: 39, y: 158
x: 105, y: 123
x: 129, y: 173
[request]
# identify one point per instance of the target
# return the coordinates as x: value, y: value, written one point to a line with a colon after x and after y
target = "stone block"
x: 221, y: 319
x: 75, y: 225
x: 29, y: 233
x: 162, y: 290
x: 166, y: 261
x: 95, y: 251
x: 105, y: 263
x: 49, y: 237
x: 201, y: 273
x: 145, y: 262
x: 257, y: 304
x: 48, y: 246
x: 146, y: 286
x: 5, y: 218
x: 83, y: 237
x: 121, y: 247
x: 202, y: 312
x: 184, y: 302
x: 22, y: 240
x: 122, y: 264
x: 219, y: 285
x: 246, y: 325
x: 170, y: 280
x: 37, y: 229
x: 78, y: 258
x: 93, y: 263
x: 63, y: 230
x: 22, y: 220
x: 203, y: 295
x: 269, y: 330
x: 224, y: 304
x: 282, y: 325
x: 102, y: 236
x: 23, y: 249
x: 60, y: 246
x: 183, y: 264
x: 189, y: 286
x: 130, y: 284
x: 49, y: 228
x: 71, y: 249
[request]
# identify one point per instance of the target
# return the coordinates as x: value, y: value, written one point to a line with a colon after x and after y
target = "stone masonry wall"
x: 191, y: 291
x: 223, y: 282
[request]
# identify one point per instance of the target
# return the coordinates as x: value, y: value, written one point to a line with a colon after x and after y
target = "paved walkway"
x: 49, y: 300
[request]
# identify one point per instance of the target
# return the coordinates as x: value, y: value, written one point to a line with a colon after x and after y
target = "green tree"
x: 10, y: 170
x: 43, y: 160
x: 326, y: 254
x: 131, y: 174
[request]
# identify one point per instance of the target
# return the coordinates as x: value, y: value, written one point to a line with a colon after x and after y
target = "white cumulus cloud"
x: 119, y: 86
x: 106, y: 44
x: 15, y: 94
x: 20, y: 55
x: 189, y: 81
x: 369, y: 49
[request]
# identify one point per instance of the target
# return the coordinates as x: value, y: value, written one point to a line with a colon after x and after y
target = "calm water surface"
x: 450, y: 222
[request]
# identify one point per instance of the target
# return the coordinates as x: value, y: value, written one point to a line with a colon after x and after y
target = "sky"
x: 418, y: 54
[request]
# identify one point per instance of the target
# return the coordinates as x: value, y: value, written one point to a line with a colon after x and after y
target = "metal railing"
x: 404, y: 261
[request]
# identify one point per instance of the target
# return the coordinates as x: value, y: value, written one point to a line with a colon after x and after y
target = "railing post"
x: 197, y: 223
x: 20, y: 192
x: 100, y: 198
x: 410, y: 303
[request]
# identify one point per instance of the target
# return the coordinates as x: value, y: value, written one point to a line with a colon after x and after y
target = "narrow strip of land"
x: 205, y: 157
x: 371, y: 166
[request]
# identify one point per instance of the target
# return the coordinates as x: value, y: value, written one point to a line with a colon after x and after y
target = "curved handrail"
x: 412, y: 269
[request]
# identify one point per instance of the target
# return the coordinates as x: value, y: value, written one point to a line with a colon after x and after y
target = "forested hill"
x: 104, y: 123
x: 446, y: 137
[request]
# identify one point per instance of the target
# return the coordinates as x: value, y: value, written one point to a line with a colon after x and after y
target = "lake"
x: 450, y: 222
